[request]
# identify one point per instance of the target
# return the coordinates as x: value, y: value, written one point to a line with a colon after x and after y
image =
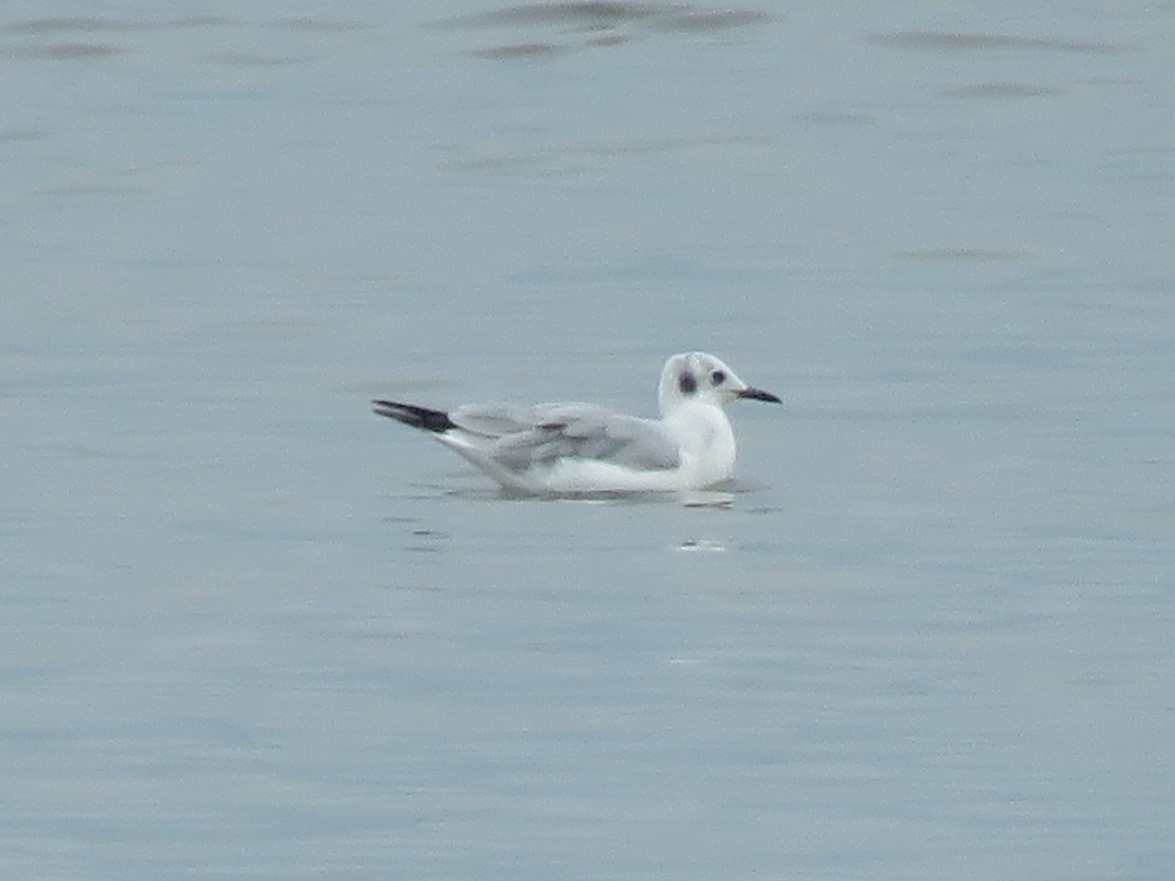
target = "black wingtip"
x: 417, y: 417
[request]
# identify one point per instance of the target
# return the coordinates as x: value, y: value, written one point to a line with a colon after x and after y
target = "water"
x: 251, y: 630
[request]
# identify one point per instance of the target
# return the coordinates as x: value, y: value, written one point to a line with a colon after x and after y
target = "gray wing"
x: 493, y: 420
x: 584, y: 431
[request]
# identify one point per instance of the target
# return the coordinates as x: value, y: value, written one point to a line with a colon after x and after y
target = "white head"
x: 696, y: 376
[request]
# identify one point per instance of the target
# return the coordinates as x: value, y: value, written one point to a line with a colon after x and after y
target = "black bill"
x: 757, y: 394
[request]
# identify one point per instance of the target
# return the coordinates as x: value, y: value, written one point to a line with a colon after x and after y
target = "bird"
x: 573, y: 448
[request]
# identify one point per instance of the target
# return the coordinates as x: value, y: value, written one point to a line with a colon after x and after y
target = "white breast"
x: 707, y: 440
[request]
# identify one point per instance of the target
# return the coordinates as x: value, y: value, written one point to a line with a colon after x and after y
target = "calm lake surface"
x: 250, y: 630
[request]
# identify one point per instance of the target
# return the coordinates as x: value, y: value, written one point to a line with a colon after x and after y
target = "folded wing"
x: 494, y: 419
x: 542, y: 435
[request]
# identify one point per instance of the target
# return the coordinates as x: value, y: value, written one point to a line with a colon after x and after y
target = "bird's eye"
x: 718, y: 377
x: 687, y: 383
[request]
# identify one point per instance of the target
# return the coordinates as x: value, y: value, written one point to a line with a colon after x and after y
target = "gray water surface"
x: 250, y: 630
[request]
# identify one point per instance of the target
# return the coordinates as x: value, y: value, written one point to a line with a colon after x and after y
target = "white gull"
x: 573, y: 448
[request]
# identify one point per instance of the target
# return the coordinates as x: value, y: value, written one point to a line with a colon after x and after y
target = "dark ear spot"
x: 687, y: 383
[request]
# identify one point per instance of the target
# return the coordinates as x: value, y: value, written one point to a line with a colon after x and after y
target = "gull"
x: 573, y: 448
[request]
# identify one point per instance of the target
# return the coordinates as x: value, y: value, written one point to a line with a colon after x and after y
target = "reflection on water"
x: 966, y: 255
x: 519, y: 50
x: 95, y: 25
x: 714, y: 498
x: 597, y: 16
x: 1001, y: 91
x: 948, y: 41
x: 66, y: 51
x: 98, y: 25
x: 573, y: 26
x: 572, y: 158
x: 704, y: 545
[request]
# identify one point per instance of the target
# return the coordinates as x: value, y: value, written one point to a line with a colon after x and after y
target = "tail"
x: 417, y: 417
